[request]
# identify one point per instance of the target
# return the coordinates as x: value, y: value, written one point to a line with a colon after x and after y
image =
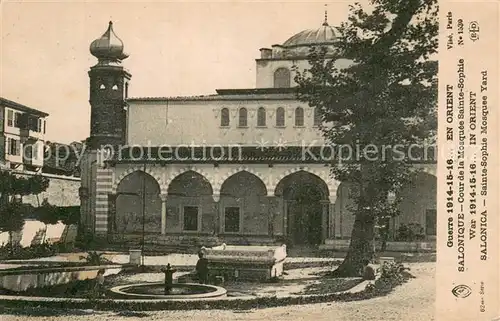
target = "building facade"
x: 243, y: 166
x: 22, y: 132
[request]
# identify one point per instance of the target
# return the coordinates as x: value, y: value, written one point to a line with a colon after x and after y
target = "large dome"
x: 324, y: 35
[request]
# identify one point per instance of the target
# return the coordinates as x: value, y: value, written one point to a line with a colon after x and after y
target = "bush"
x: 17, y: 252
x: 410, y: 233
x: 94, y: 258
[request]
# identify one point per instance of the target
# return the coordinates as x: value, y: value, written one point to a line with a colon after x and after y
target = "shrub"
x: 94, y: 258
x: 410, y: 233
x: 18, y: 252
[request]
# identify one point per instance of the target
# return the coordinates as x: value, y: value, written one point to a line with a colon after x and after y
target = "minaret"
x: 108, y: 91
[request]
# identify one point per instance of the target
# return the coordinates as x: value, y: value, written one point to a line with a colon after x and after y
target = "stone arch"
x: 223, y: 178
x: 181, y: 171
x: 331, y: 183
x: 147, y: 170
x: 137, y: 204
x: 419, y: 204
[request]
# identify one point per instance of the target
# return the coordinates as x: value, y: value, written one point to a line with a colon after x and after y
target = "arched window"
x: 299, y: 117
x: 317, y: 117
x: 261, y: 117
x: 243, y: 119
x: 280, y: 117
x: 224, y: 117
x: 282, y: 78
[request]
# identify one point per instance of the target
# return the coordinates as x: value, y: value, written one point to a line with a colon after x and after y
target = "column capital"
x: 163, y: 197
x: 216, y: 197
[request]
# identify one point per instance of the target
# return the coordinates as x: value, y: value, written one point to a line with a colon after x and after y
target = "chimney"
x: 266, y: 53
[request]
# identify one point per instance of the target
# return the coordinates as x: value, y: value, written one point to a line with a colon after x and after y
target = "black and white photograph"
x: 224, y: 160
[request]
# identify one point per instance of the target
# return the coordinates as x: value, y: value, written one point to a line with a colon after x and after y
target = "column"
x: 332, y: 221
x: 285, y: 218
x: 324, y: 219
x: 163, y: 198
x: 270, y: 214
x: 217, y: 209
x: 217, y: 227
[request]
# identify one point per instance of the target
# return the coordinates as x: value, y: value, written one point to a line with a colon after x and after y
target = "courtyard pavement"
x: 413, y: 301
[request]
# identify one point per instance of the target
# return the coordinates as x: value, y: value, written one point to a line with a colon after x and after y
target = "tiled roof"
x: 231, y: 94
x: 20, y: 107
x: 240, y: 154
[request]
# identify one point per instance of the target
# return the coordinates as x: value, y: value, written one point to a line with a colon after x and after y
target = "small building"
x: 241, y: 166
x: 22, y: 132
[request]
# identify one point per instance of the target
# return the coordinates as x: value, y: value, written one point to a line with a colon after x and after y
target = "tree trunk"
x: 361, y: 248
x: 11, y: 246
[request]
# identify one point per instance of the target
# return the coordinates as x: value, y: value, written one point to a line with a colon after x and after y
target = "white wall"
x: 266, y: 68
x: 156, y: 124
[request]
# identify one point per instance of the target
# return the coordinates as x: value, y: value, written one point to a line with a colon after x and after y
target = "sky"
x: 175, y: 48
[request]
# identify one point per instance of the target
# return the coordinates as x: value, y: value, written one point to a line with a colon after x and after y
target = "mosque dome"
x: 108, y: 46
x: 324, y: 35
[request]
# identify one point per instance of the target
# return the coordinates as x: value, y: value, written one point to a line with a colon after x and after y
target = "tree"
x: 12, y: 211
x: 11, y: 218
x: 47, y: 213
x: 387, y: 96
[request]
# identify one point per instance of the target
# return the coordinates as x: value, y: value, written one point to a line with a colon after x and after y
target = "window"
x: 243, y: 122
x: 232, y: 219
x: 44, y: 123
x: 39, y: 125
x: 261, y: 117
x: 282, y: 78
x: 299, y: 117
x: 317, y: 117
x: 14, y: 147
x: 224, y: 117
x: 33, y: 123
x: 280, y: 117
x: 10, y: 118
x: 190, y: 218
x: 35, y: 151
x: 430, y: 221
x: 17, y: 120
x: 126, y: 90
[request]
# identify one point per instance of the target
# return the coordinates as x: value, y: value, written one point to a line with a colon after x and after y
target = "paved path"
x: 413, y: 301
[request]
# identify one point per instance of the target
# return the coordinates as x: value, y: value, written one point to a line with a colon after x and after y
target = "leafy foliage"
x: 11, y: 217
x: 386, y: 97
x: 11, y: 185
x: 18, y: 252
x: 94, y: 258
x: 47, y: 213
x: 12, y: 212
x: 410, y: 233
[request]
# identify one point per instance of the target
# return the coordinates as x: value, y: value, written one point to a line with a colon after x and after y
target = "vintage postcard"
x: 249, y: 160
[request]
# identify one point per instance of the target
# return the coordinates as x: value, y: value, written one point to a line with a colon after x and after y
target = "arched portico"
x: 137, y: 203
x: 306, y: 205
x: 243, y: 205
x: 189, y: 204
x: 418, y: 206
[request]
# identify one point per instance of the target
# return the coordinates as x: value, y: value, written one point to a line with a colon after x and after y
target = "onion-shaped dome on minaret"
x: 108, y: 46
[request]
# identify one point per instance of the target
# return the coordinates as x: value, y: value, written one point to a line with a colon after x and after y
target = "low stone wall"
x: 343, y: 246
x: 20, y: 280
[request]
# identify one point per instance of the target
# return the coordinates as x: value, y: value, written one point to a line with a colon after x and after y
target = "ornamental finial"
x: 325, y: 23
